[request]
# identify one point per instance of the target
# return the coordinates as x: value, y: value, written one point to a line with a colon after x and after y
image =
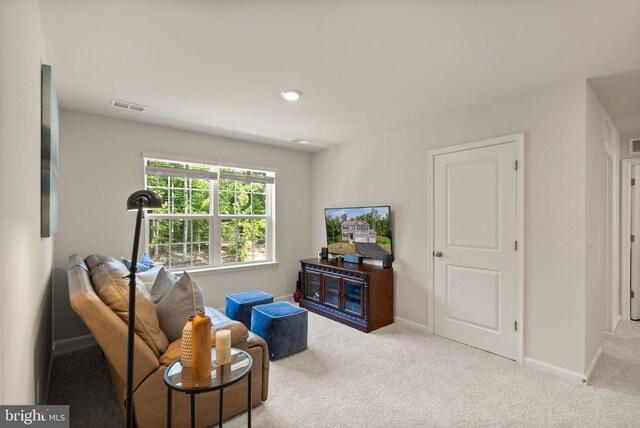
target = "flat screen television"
x: 359, y: 231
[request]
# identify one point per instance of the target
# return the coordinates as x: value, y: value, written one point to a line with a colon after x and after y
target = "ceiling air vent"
x: 634, y: 145
x: 128, y: 106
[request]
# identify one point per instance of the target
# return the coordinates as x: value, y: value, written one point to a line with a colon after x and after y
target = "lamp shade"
x: 145, y: 199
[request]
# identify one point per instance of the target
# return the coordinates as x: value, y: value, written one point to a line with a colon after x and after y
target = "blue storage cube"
x: 283, y: 326
x: 238, y: 306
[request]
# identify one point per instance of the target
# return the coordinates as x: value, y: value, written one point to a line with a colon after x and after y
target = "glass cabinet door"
x: 312, y: 285
x: 332, y: 291
x: 354, y: 297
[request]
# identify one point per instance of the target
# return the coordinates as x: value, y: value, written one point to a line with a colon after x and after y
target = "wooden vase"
x: 186, y: 348
x: 201, y: 346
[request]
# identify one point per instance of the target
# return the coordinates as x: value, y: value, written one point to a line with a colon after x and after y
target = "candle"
x: 223, y: 347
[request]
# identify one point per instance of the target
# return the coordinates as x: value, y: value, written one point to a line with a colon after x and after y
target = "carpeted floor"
x: 79, y: 378
x: 400, y: 377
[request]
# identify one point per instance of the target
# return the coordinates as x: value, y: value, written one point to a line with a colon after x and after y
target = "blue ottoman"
x: 238, y: 306
x: 283, y: 326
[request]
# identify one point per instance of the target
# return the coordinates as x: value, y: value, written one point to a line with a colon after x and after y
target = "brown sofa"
x: 150, y: 392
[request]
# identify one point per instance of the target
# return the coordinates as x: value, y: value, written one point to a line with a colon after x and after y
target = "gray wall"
x: 101, y: 165
x: 391, y: 169
x: 25, y: 257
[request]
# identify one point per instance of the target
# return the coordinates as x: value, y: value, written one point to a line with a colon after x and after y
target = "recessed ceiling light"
x: 299, y: 141
x: 291, y: 94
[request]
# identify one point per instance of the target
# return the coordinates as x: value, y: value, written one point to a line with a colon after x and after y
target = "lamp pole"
x: 140, y: 200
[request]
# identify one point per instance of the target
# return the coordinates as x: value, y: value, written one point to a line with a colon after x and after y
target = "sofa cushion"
x: 178, y: 304
x: 108, y: 278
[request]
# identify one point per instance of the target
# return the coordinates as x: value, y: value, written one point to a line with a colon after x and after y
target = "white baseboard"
x: 285, y: 298
x: 411, y: 324
x: 560, y: 372
x: 594, y: 363
x: 616, y: 322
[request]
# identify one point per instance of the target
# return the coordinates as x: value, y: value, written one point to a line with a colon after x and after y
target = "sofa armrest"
x: 239, y: 333
x: 255, y: 341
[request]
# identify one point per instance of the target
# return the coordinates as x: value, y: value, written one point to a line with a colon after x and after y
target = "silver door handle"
x: 437, y: 254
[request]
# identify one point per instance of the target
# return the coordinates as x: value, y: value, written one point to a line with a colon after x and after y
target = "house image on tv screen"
x: 358, y: 231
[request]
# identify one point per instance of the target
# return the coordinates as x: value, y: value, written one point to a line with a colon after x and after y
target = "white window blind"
x: 248, y: 178
x: 180, y: 172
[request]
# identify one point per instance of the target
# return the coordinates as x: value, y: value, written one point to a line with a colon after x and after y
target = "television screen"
x: 363, y: 231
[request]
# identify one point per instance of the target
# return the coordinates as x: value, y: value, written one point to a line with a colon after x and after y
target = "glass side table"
x: 179, y: 378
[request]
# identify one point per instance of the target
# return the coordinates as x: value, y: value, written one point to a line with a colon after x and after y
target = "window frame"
x: 214, y: 216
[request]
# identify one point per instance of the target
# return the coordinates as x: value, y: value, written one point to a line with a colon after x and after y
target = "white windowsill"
x: 227, y: 269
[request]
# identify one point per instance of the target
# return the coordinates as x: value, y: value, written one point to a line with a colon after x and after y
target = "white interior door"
x: 635, y: 245
x: 475, y: 262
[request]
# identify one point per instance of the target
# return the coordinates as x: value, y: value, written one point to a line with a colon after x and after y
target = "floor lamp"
x: 138, y: 201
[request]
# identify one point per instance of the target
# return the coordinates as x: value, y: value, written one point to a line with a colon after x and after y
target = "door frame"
x: 625, y: 238
x: 613, y: 309
x: 518, y: 139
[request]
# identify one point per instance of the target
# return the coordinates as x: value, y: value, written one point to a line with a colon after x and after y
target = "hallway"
x: 619, y: 366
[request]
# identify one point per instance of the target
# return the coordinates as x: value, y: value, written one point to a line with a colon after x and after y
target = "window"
x: 212, y: 215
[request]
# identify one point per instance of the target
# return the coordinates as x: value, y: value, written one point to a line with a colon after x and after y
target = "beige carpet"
x: 400, y: 377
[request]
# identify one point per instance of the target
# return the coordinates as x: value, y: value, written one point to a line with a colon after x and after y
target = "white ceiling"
x: 365, y: 67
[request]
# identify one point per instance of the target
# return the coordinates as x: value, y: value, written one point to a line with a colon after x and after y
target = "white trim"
x: 228, y: 269
x: 285, y: 298
x: 616, y: 322
x: 614, y: 292
x: 519, y: 139
x: 625, y: 240
x: 411, y: 324
x: 594, y: 363
x: 560, y: 372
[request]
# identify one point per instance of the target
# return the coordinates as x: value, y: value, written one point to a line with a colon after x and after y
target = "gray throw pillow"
x: 149, y: 276
x: 174, y: 309
x: 162, y: 284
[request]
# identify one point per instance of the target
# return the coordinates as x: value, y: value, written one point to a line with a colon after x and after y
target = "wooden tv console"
x: 358, y: 295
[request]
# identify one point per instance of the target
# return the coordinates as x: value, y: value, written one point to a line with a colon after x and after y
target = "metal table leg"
x: 220, y: 414
x: 168, y: 407
x: 193, y: 410
x: 249, y: 400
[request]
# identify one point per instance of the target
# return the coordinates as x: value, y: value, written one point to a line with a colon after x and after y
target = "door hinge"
x: 515, y: 325
x: 633, y: 181
x: 516, y: 166
x: 632, y: 294
x: 633, y: 238
x: 515, y: 245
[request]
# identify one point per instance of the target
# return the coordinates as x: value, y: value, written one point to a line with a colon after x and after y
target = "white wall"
x: 390, y: 169
x: 599, y: 131
x: 25, y: 258
x: 101, y: 165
